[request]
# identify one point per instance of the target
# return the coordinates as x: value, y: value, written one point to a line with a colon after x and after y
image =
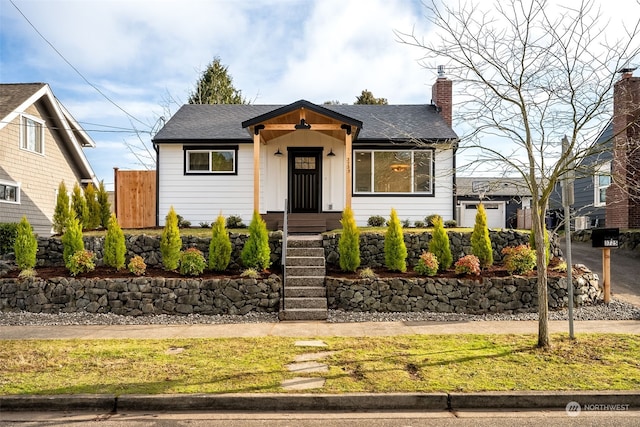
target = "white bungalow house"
x: 234, y: 159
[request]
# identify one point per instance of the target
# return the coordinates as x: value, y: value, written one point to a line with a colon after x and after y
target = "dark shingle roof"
x: 380, y: 122
x: 14, y: 94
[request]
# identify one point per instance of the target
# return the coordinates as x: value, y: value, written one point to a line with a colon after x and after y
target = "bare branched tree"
x: 529, y: 72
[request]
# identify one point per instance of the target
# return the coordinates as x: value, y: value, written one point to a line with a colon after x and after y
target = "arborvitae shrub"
x: 395, y: 251
x: 93, y: 208
x: 79, y: 206
x: 349, y: 243
x: 220, y: 246
x: 256, y: 252
x: 170, y: 241
x: 114, y: 246
x: 439, y: 245
x: 25, y: 246
x: 61, y: 213
x: 547, y: 244
x: 480, y: 241
x: 105, y: 206
x: 71, y: 240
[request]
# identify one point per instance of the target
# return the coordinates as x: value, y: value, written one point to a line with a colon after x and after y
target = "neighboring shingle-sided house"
x: 234, y: 159
x: 40, y: 145
x: 502, y: 198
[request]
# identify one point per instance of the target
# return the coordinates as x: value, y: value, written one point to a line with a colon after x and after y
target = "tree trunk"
x: 541, y: 263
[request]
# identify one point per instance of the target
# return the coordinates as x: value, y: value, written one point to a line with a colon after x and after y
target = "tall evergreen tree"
x: 215, y: 86
x: 105, y: 206
x: 480, y: 241
x: 367, y: 98
x: 61, y: 213
x: 79, y: 206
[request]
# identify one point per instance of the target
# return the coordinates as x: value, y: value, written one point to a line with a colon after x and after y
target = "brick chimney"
x: 442, y: 95
x: 623, y: 196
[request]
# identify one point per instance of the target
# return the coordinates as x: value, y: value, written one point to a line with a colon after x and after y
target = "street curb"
x: 270, y: 402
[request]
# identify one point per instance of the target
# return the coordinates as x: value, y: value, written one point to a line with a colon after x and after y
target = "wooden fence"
x: 135, y: 198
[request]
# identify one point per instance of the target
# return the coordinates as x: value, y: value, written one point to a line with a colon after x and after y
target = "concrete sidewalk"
x: 311, y: 329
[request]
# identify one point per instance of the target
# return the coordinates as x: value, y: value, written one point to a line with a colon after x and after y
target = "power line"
x: 74, y: 68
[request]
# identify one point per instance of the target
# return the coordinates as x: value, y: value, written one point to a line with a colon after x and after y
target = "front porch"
x: 303, y: 223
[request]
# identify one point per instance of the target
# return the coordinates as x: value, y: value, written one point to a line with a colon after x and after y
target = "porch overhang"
x: 302, y: 116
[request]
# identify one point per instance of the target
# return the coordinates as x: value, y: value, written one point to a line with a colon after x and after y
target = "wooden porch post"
x: 256, y: 170
x: 349, y: 172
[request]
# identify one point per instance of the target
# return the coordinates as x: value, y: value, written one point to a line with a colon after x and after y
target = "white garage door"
x: 495, y: 214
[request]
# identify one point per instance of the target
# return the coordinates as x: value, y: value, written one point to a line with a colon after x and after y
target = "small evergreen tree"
x: 25, y: 246
x: 256, y: 252
x: 439, y: 245
x: 547, y: 244
x: 395, y: 251
x: 349, y: 243
x: 93, y: 208
x: 170, y: 241
x: 220, y: 246
x: 114, y: 246
x: 61, y: 214
x: 79, y: 206
x: 105, y: 206
x: 71, y: 240
x: 480, y: 241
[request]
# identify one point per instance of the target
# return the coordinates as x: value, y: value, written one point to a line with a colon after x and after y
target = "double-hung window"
x: 9, y: 192
x: 602, y: 181
x: 393, y: 172
x: 210, y: 160
x: 31, y: 134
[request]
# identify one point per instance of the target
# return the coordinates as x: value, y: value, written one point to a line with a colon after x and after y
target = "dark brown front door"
x: 305, y: 170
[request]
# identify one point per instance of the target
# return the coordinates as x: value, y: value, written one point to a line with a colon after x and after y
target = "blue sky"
x: 143, y: 53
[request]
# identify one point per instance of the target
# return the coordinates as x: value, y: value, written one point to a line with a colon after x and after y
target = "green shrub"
x: 251, y: 273
x: 192, y: 262
x: 234, y: 221
x: 61, y: 213
x: 79, y: 206
x: 93, y: 208
x: 519, y: 259
x: 26, y: 245
x: 183, y: 223
x: 376, y: 221
x: 439, y: 245
x: 349, y: 243
x: 406, y: 223
x: 137, y: 265
x: 450, y: 223
x: 468, y: 264
x: 480, y: 241
x: 81, y: 261
x: 419, y: 224
x: 170, y: 241
x: 204, y: 224
x: 220, y: 246
x: 431, y: 218
x: 547, y: 244
x: 105, y: 206
x: 256, y: 252
x: 427, y: 264
x: 367, y: 273
x: 395, y: 251
x: 8, y: 233
x: 114, y: 246
x: 71, y: 240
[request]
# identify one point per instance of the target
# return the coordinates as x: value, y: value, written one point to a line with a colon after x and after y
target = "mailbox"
x: 605, y: 237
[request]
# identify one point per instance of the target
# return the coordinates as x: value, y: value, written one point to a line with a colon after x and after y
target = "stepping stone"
x: 300, y: 383
x: 305, y: 367
x: 311, y: 343
x: 308, y: 357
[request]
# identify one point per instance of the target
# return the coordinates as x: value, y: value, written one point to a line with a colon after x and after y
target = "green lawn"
x: 420, y: 363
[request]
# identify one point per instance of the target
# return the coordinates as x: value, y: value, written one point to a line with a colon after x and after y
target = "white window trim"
x: 381, y: 193
x: 22, y: 136
x: 12, y: 184
x: 604, y: 169
x: 212, y: 172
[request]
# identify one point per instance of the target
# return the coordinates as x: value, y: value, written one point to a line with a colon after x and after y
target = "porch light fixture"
x: 302, y: 125
x: 278, y: 153
x: 331, y: 153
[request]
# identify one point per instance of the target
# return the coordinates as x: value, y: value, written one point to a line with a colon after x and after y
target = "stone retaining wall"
x: 499, y: 295
x: 141, y: 295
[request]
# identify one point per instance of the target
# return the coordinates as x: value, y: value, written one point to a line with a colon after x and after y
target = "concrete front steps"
x: 305, y: 296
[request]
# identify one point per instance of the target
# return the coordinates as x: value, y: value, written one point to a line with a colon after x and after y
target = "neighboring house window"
x: 602, y: 181
x: 32, y: 134
x: 393, y: 172
x: 207, y: 160
x: 9, y: 192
